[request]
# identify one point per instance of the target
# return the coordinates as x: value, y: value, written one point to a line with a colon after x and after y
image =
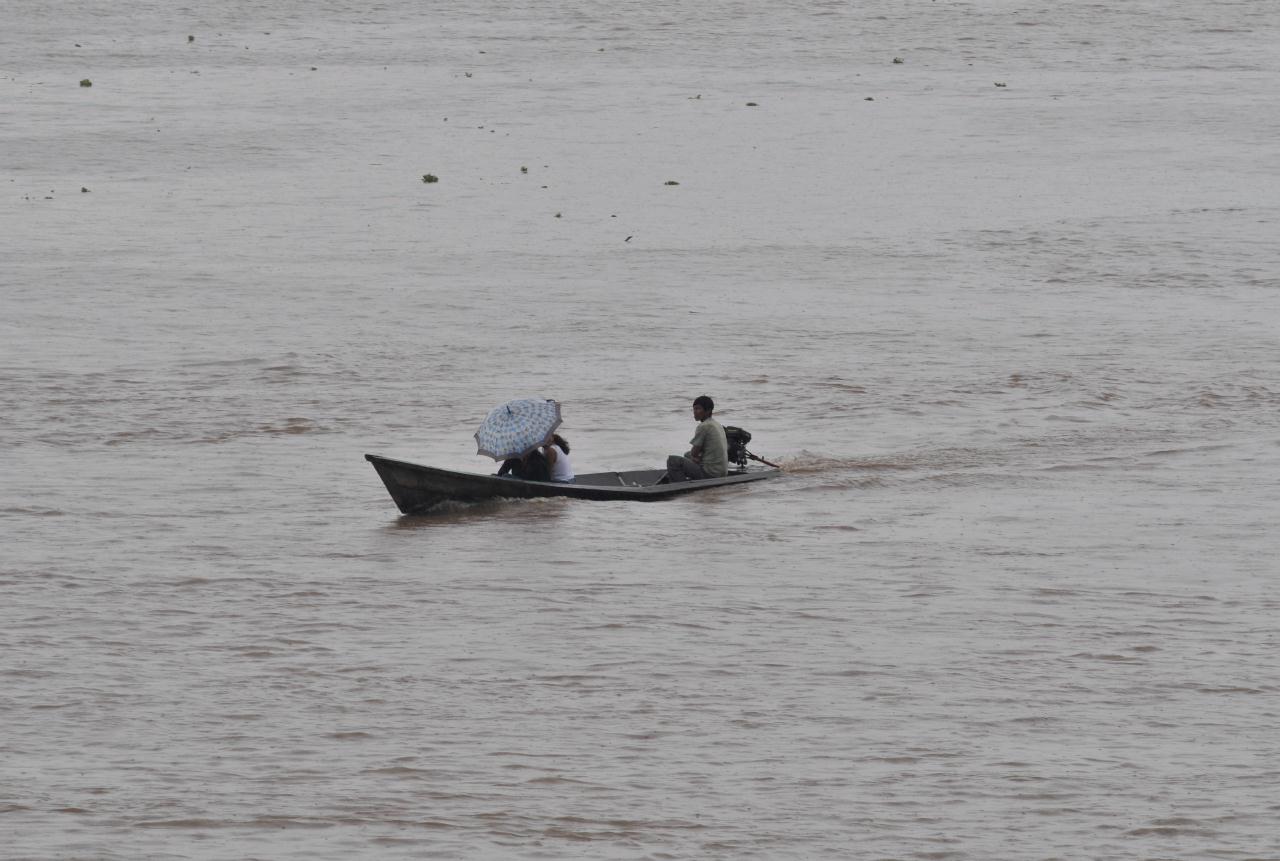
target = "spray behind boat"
x: 738, y: 439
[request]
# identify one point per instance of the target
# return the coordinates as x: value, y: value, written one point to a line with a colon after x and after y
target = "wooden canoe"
x: 416, y: 488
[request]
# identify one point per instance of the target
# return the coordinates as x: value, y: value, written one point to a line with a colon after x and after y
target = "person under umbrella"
x: 532, y: 466
x: 513, y: 433
x: 556, y: 452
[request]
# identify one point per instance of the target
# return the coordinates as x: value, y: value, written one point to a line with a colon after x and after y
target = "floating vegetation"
x: 524, y: 169
x: 85, y: 82
x: 753, y: 104
x: 671, y: 182
x: 898, y: 61
x: 430, y: 177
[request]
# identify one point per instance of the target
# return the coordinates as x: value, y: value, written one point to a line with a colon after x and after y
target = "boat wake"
x: 809, y: 463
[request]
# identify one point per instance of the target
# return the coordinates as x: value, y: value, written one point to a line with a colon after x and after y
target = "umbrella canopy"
x: 517, y: 427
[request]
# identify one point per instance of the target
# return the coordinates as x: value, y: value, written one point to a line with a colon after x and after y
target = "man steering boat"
x: 708, y: 455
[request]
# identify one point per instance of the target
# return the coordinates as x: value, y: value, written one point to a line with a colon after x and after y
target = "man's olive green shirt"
x: 715, y: 448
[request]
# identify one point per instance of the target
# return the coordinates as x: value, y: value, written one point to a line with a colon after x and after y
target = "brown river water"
x: 1008, y: 312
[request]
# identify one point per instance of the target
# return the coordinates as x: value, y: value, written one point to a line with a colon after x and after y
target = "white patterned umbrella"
x: 517, y: 427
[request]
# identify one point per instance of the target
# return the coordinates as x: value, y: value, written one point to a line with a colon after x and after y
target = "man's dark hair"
x: 706, y: 403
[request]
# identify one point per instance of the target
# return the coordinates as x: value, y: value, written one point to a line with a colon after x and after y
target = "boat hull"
x: 416, y: 488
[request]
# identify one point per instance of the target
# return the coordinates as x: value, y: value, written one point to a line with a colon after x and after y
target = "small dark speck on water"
x: 671, y: 182
x: 1001, y: 84
x: 753, y: 104
x: 898, y: 61
x: 430, y: 177
x: 84, y: 190
x: 869, y: 99
x: 85, y: 82
x: 190, y: 39
x: 524, y: 169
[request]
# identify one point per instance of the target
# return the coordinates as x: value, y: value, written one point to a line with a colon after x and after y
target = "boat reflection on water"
x: 454, y: 512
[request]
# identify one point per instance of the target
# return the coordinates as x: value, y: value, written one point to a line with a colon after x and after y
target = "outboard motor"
x: 737, y: 439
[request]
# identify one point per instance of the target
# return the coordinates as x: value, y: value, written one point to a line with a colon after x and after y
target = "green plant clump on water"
x: 430, y: 177
x: 85, y: 82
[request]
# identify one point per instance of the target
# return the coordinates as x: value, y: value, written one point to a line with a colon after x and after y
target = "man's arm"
x: 695, y: 453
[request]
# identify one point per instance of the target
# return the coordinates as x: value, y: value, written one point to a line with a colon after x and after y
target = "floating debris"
x: 85, y: 82
x: 671, y: 182
x: 430, y: 177
x: 84, y: 190
x: 628, y: 239
x: 190, y: 39
x: 868, y: 99
x: 524, y: 169
x: 1001, y: 84
x: 898, y: 61
x: 557, y: 215
x: 753, y: 104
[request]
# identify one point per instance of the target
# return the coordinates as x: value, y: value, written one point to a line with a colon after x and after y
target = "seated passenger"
x: 557, y: 454
x: 709, y: 456
x: 532, y: 467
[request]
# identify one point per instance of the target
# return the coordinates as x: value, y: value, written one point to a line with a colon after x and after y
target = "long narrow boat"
x: 415, y: 488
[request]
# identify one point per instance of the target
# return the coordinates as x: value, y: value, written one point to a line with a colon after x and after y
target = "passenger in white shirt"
x: 557, y: 453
